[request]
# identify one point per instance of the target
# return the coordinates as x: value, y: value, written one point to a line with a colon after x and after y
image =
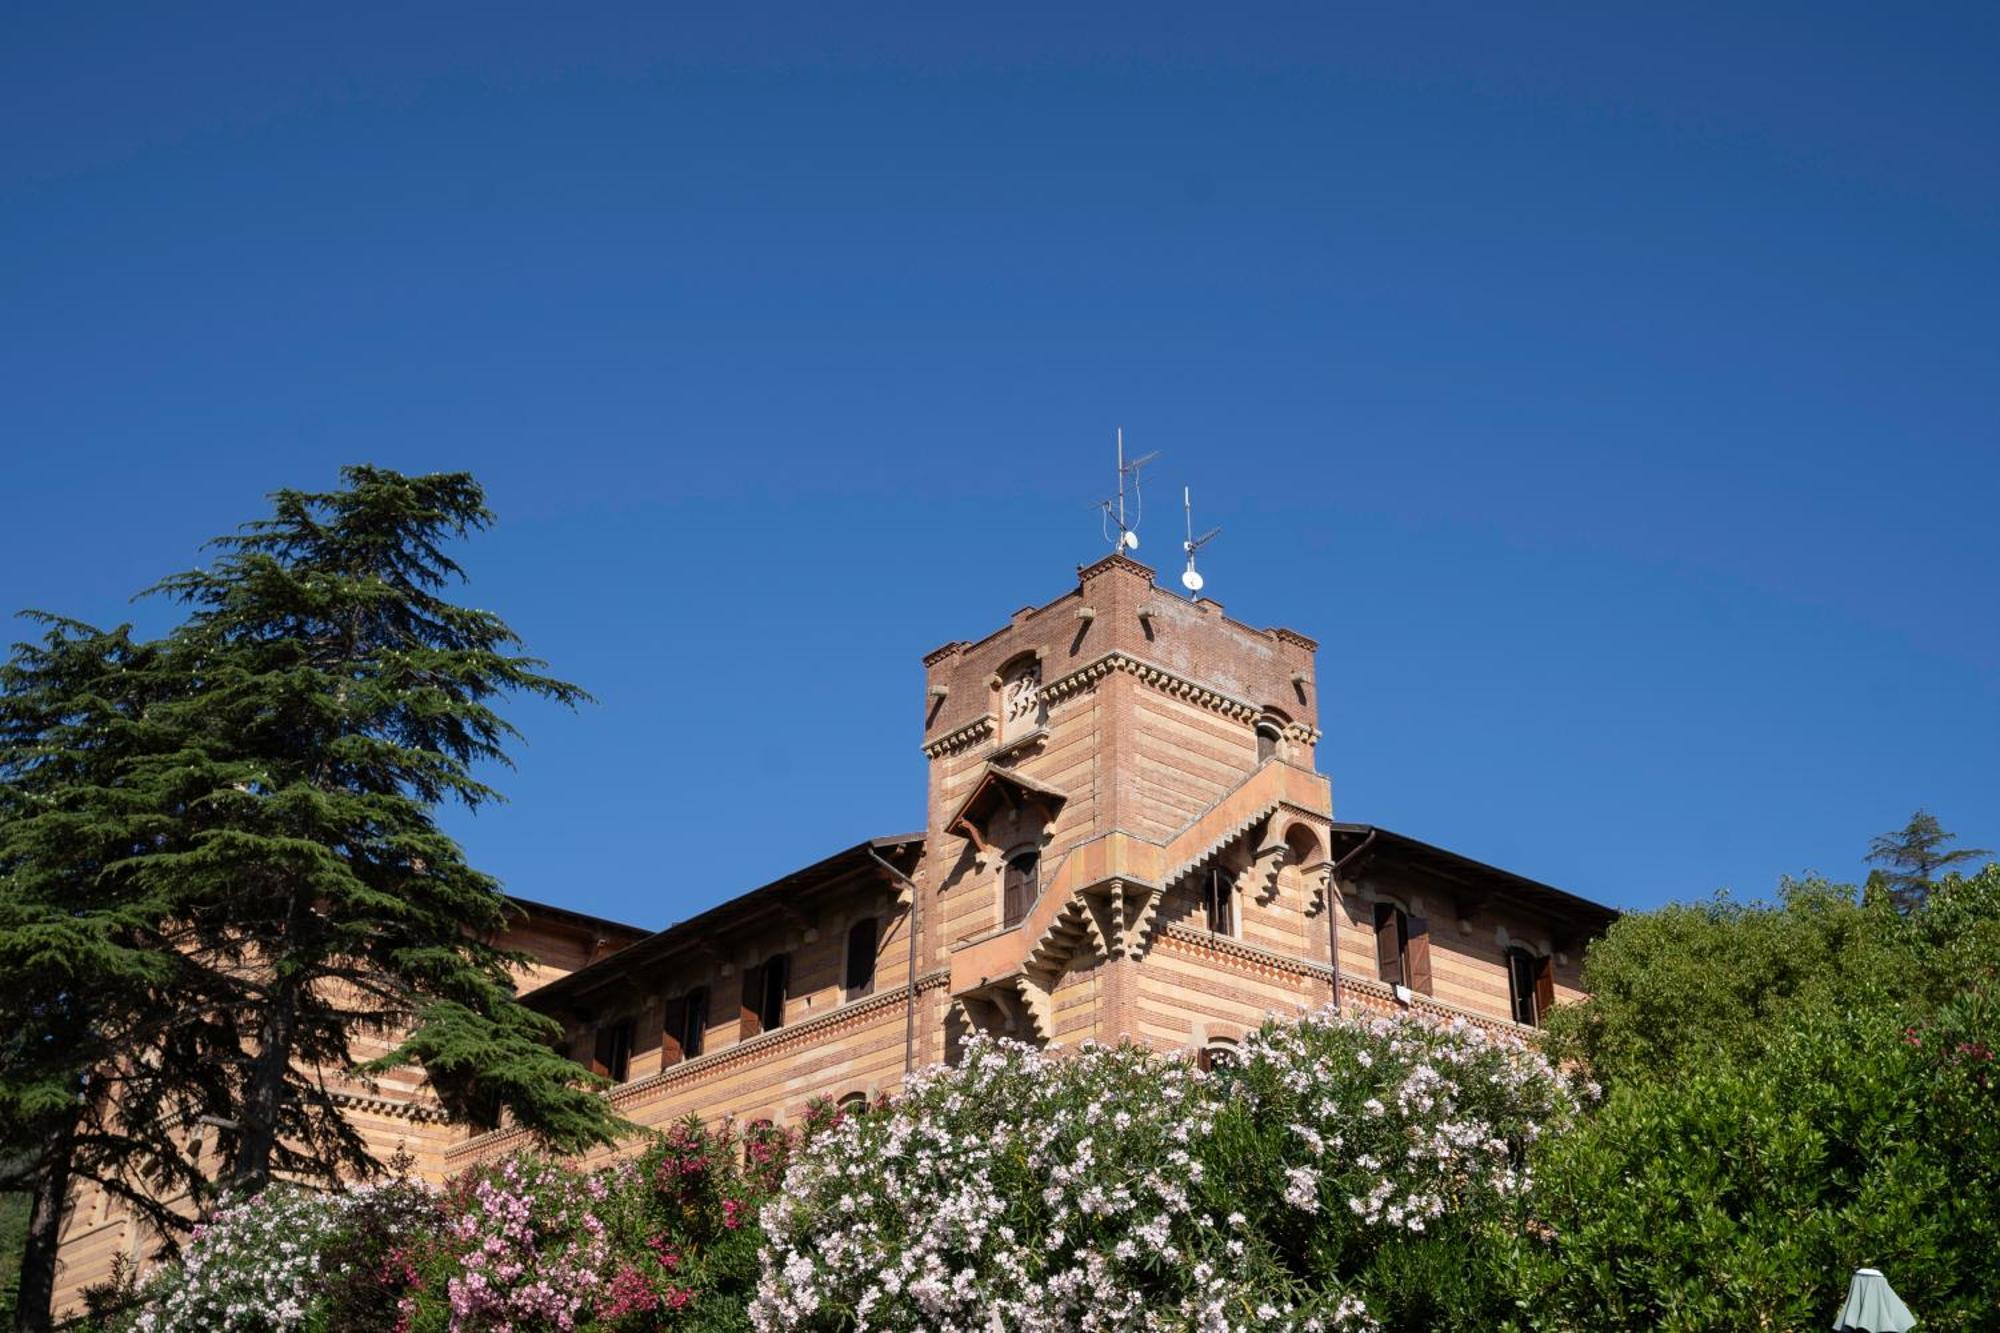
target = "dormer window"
x: 1020, y: 885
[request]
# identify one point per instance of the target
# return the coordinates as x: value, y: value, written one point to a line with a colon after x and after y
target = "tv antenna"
x: 1191, y: 579
x: 1114, y: 508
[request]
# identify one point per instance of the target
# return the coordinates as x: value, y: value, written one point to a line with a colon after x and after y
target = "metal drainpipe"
x: 1334, y: 909
x: 909, y: 1006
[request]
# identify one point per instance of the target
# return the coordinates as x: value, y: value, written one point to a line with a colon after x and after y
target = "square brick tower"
x: 1111, y: 771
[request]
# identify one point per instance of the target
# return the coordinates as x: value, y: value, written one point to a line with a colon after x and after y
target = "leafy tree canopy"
x: 1911, y: 857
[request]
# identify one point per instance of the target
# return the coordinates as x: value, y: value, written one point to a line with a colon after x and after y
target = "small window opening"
x: 777, y: 973
x: 1402, y: 948
x: 1020, y: 885
x: 862, y: 938
x: 613, y: 1054
x: 1392, y: 933
x: 682, y: 1026
x: 1218, y: 1054
x: 1219, y: 901
x: 1532, y: 985
x: 1268, y: 736
x: 763, y: 1005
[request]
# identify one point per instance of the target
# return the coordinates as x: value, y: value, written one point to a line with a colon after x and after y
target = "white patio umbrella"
x: 1873, y: 1306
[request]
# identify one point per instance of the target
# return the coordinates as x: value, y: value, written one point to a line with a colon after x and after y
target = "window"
x: 861, y: 942
x: 613, y: 1054
x: 682, y: 1025
x: 1020, y: 885
x: 1268, y: 736
x: 1402, y: 948
x: 1218, y: 898
x: 1217, y: 1054
x: 697, y: 1022
x: 764, y: 996
x: 1531, y: 983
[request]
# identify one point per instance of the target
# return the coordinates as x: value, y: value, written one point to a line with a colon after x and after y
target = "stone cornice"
x: 422, y: 1112
x: 1167, y: 682
x: 964, y: 738
x: 1150, y: 673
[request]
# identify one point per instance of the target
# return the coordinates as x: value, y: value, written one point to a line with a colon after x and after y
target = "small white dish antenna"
x: 1192, y: 579
x: 1131, y: 540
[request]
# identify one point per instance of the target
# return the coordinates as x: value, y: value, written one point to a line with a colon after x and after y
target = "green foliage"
x: 221, y: 868
x: 1840, y: 1109
x: 1912, y: 856
x: 1688, y: 985
x: 334, y: 698
x: 13, y: 1235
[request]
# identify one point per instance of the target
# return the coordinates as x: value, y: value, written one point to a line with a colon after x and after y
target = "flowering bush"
x: 252, y: 1268
x: 659, y: 1241
x: 522, y: 1245
x: 1118, y: 1188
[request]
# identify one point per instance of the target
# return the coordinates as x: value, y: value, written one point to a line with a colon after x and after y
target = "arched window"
x: 1269, y: 733
x: 1218, y: 1054
x: 1218, y: 898
x: 860, y: 971
x: 1531, y: 984
x: 1020, y: 885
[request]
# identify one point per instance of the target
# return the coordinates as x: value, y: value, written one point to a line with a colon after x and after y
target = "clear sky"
x: 1609, y: 388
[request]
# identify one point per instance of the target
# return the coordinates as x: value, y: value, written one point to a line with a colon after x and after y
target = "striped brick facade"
x: 1125, y: 837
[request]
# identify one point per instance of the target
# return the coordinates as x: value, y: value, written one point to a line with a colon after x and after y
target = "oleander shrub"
x: 252, y: 1267
x: 1334, y: 1179
x: 665, y: 1240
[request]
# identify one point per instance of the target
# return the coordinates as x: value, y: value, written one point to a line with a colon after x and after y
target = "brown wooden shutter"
x: 673, y: 1022
x: 753, y: 1000
x: 1545, y: 988
x: 1417, y: 955
x: 1388, y: 944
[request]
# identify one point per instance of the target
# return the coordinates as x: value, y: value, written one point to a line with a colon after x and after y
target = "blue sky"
x: 1609, y: 388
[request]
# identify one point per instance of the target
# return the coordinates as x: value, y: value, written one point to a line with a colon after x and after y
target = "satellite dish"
x: 1191, y: 580
x: 1131, y: 541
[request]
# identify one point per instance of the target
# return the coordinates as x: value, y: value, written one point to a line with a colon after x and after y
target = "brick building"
x: 1125, y: 836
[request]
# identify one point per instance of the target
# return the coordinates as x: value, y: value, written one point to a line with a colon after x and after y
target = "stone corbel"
x: 1318, y: 879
